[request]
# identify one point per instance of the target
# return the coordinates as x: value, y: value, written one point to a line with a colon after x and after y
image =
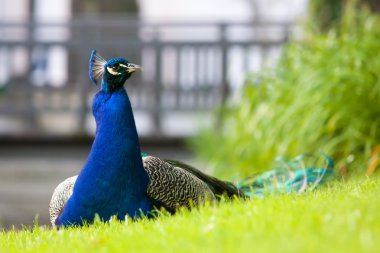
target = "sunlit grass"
x: 340, y: 217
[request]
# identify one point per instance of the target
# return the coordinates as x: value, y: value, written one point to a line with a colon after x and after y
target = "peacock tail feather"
x: 303, y: 173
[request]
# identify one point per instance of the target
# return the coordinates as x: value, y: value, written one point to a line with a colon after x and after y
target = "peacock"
x: 119, y: 180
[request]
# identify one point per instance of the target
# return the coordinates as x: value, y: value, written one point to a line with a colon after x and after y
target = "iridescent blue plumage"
x: 113, y: 180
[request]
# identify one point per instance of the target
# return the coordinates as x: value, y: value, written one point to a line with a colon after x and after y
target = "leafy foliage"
x: 324, y: 95
x: 325, y: 13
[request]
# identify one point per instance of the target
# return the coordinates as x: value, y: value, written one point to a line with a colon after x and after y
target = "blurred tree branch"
x: 324, y: 14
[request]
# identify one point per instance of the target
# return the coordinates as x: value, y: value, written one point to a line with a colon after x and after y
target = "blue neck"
x: 113, y: 180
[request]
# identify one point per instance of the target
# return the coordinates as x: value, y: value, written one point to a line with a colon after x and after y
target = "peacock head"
x: 113, y: 72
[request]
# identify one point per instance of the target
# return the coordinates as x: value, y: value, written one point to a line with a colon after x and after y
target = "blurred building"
x: 196, y: 55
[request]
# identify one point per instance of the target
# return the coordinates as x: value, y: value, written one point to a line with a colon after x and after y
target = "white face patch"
x: 124, y: 66
x: 113, y: 72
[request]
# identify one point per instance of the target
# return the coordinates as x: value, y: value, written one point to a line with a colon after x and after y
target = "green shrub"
x: 324, y: 95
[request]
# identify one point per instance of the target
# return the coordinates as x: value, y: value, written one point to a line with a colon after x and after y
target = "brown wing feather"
x: 174, y: 187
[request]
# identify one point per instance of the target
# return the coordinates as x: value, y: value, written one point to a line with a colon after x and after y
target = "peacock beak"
x: 133, y: 68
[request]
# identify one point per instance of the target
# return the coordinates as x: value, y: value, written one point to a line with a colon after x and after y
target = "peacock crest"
x: 97, y: 64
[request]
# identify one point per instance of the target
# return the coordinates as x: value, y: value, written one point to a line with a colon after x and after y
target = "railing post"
x: 31, y: 111
x: 224, y: 89
x: 157, y: 110
x: 82, y: 110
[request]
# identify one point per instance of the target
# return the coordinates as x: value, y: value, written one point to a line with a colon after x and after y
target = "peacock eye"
x: 116, y: 67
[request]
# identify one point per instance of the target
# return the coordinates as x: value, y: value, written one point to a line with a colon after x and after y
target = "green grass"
x: 340, y: 217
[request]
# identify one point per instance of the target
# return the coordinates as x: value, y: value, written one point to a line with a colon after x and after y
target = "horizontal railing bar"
x: 129, y: 23
x: 138, y: 44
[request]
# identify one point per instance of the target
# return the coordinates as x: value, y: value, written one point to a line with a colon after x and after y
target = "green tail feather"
x: 301, y: 174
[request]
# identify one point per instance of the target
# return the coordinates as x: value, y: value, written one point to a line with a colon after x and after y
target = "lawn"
x: 338, y: 217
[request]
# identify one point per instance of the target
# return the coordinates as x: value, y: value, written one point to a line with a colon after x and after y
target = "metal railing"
x: 188, y: 66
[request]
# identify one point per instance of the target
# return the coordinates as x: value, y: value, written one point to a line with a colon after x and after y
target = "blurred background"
x: 195, y: 55
x: 198, y: 57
